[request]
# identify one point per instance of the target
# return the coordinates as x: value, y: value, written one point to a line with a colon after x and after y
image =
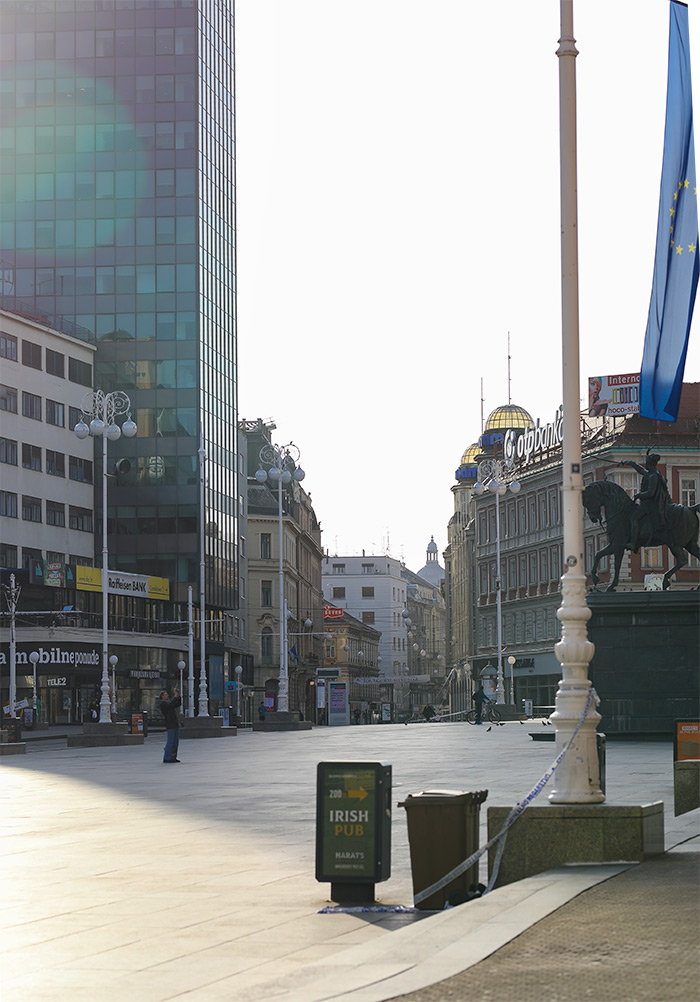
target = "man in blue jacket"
x: 168, y: 707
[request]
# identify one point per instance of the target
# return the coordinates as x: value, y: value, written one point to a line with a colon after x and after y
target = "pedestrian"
x: 479, y: 698
x: 356, y: 714
x: 168, y: 707
x: 262, y: 711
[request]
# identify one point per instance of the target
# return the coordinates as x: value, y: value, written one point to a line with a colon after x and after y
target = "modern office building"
x: 118, y: 215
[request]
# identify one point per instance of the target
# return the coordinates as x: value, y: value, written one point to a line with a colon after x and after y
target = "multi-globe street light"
x: 104, y: 409
x: 497, y: 476
x: 281, y: 461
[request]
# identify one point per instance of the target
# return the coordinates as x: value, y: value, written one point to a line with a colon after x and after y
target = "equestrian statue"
x: 648, y: 519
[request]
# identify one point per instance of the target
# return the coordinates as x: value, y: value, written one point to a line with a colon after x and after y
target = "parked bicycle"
x: 489, y: 712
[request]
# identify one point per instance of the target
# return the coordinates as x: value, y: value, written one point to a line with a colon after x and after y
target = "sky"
x: 398, y: 221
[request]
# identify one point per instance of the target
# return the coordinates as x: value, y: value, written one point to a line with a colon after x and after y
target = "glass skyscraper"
x: 118, y: 213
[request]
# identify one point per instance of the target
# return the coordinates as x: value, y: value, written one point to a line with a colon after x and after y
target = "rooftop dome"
x: 469, y: 455
x: 432, y: 546
x: 509, y: 416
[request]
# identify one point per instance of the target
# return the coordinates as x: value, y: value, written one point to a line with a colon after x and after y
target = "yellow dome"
x: 470, y: 454
x: 509, y: 416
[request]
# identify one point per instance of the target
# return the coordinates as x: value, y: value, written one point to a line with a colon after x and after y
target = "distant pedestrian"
x: 356, y: 714
x: 262, y: 712
x: 168, y: 707
x: 479, y: 698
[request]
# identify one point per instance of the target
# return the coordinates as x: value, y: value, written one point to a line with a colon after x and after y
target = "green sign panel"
x: 353, y: 821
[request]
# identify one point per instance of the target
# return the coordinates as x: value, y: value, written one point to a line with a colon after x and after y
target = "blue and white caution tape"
x: 513, y: 816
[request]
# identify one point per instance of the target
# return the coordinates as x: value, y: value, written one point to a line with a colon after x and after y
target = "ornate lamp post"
x: 113, y: 662
x: 104, y: 409
x: 239, y: 671
x: 281, y: 461
x: 497, y: 476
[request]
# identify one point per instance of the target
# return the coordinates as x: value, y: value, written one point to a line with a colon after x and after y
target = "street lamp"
x: 181, y: 668
x: 34, y: 657
x: 113, y: 661
x: 497, y: 476
x: 104, y: 409
x: 239, y: 671
x: 282, y: 462
x: 511, y: 662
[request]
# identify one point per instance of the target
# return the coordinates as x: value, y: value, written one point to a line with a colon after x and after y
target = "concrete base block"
x: 550, y: 836
x: 275, y: 720
x: 104, y: 735
x: 203, y: 727
x: 686, y: 786
x: 13, y: 748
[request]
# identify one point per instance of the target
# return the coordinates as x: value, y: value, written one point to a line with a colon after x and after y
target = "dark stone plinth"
x: 645, y: 667
x: 509, y: 711
x: 13, y: 748
x: 203, y: 727
x: 104, y: 735
x: 276, y: 720
x: 552, y: 835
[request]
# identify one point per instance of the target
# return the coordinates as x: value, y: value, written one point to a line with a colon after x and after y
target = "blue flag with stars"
x: 676, y: 263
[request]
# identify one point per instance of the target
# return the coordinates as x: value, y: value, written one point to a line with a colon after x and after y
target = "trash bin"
x: 13, y: 726
x: 443, y: 831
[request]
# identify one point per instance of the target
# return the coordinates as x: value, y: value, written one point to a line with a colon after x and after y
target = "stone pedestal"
x: 686, y: 786
x: 108, y: 735
x: 547, y: 837
x: 203, y: 727
x: 8, y: 747
x: 276, y: 720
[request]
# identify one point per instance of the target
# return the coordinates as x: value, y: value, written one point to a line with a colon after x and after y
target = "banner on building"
x: 118, y: 583
x: 613, y: 396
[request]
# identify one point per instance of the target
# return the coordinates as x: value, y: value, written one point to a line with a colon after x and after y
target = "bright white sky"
x: 398, y: 215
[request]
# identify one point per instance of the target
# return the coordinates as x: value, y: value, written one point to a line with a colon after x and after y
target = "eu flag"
x: 676, y: 263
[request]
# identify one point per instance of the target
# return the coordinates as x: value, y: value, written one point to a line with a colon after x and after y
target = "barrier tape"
x: 513, y: 816
x: 342, y: 910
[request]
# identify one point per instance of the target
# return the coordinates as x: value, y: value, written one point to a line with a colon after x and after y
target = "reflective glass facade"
x: 118, y: 213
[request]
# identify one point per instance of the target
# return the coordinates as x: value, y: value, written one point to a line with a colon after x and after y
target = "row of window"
x: 55, y: 364
x: 78, y: 518
x: 540, y: 510
x: 527, y: 569
x: 10, y: 557
x: 107, y: 42
x: 340, y: 592
x: 79, y: 469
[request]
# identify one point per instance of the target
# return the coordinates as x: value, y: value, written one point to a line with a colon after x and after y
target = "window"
x: 55, y: 463
x: 8, y: 504
x: 651, y: 558
x: 55, y: 413
x: 79, y: 372
x: 8, y: 555
x: 368, y: 568
x: 532, y: 513
x: 689, y: 491
x: 554, y: 506
x: 522, y: 570
x: 483, y: 533
x: 532, y: 561
x: 31, y: 457
x: 8, y: 399
x: 368, y: 592
x: 74, y: 416
x: 265, y: 546
x: 8, y: 347
x: 31, y: 508
x: 80, y: 518
x: 55, y: 363
x: 339, y: 568
x: 55, y: 557
x: 31, y: 354
x: 80, y: 561
x: 266, y: 646
x: 55, y: 514
x: 338, y: 593
x: 31, y: 406
x: 8, y: 451
x: 483, y: 579
x: 368, y: 617
x: 544, y: 566
x: 266, y: 594
x: 80, y: 470
x: 542, y: 505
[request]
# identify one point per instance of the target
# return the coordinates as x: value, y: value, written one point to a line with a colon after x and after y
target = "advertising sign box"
x: 353, y: 827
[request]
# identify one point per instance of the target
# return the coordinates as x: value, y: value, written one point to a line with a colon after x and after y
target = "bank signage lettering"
x: 119, y: 583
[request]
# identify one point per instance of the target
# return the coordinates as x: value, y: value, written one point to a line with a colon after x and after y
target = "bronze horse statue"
x: 679, y: 533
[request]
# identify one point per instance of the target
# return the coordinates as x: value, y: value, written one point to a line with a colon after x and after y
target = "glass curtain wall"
x: 118, y: 214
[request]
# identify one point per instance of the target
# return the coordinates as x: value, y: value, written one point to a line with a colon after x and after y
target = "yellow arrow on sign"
x: 360, y: 794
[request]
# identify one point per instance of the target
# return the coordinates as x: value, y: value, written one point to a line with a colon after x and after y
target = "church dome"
x: 469, y: 455
x: 509, y: 416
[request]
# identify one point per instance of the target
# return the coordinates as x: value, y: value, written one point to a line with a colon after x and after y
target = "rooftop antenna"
x: 509, y: 368
x: 482, y: 405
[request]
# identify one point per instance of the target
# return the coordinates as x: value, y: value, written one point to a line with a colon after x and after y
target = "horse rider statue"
x: 652, y: 500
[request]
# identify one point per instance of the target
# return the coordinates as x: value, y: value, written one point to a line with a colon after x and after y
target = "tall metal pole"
x: 203, y: 701
x: 500, y: 690
x: 190, y: 653
x: 12, y: 602
x: 105, y: 705
x: 283, y: 692
x: 577, y: 779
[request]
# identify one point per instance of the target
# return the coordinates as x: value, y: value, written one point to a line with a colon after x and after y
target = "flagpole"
x: 577, y: 779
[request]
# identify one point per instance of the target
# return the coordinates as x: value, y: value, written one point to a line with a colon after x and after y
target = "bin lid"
x: 441, y: 796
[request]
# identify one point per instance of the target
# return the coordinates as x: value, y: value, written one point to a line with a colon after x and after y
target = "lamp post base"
x: 203, y: 727
x: 104, y: 735
x: 282, y: 720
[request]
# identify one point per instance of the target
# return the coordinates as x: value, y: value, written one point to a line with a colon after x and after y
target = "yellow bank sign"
x: 118, y: 583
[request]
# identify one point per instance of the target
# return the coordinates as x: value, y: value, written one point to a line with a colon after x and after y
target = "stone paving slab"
x: 197, y: 883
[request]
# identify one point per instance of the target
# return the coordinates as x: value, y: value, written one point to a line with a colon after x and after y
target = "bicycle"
x: 488, y: 713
